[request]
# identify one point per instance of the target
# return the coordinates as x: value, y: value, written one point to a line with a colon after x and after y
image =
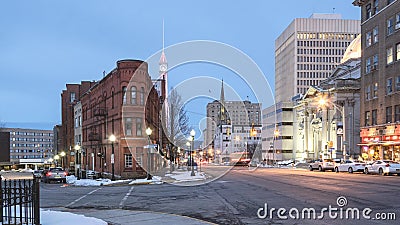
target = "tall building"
x: 29, y: 147
x: 380, y: 79
x: 308, y: 49
x: 232, y: 125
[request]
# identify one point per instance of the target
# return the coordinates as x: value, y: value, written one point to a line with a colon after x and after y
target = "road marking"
x: 125, y: 197
x: 77, y: 200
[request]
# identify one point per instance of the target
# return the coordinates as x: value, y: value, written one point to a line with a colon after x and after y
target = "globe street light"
x: 192, y: 134
x: 56, y: 158
x: 148, y: 132
x: 77, y: 148
x: 112, y: 138
x: 62, y: 154
x: 189, y: 159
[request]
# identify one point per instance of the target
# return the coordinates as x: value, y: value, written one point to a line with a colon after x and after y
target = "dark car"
x: 54, y: 174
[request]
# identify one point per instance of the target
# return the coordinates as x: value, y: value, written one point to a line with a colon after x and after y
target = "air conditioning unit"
x: 397, y: 26
x: 373, y: 67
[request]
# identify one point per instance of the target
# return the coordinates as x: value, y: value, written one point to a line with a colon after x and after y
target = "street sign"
x: 112, y: 158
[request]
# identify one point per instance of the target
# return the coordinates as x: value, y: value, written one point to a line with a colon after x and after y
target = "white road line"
x: 125, y: 197
x: 77, y: 200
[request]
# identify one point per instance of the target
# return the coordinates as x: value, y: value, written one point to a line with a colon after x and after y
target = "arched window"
x: 133, y: 95
x: 123, y: 95
x: 112, y: 99
x: 142, y: 96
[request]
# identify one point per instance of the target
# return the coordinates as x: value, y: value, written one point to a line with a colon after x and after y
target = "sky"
x: 46, y: 44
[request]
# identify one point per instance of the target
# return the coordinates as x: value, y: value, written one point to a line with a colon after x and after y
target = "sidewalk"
x: 127, y: 217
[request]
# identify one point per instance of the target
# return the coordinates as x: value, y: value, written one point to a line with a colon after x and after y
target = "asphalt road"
x: 237, y: 196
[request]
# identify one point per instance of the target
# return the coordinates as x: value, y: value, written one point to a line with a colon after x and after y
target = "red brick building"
x: 69, y: 98
x: 124, y: 103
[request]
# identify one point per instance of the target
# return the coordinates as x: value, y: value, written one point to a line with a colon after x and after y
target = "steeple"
x: 222, y: 95
x: 223, y: 115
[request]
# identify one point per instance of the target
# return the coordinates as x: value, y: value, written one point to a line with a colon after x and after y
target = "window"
x: 389, y: 86
x: 389, y: 55
x: 124, y: 95
x: 375, y: 94
x: 375, y: 33
x: 142, y: 96
x: 112, y: 99
x: 390, y: 26
x: 368, y: 92
x: 128, y: 126
x: 398, y: 51
x: 390, y: 1
x: 133, y: 95
x: 368, y: 39
x: 139, y: 127
x: 374, y: 117
x: 368, y: 65
x: 72, y: 97
x: 367, y: 118
x: 397, y: 83
x: 397, y: 26
x: 128, y: 161
x: 397, y: 113
x: 368, y: 11
x: 375, y: 61
x: 376, y: 7
x: 389, y: 114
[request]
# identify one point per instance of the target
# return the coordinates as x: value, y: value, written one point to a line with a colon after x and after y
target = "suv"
x: 54, y: 174
x: 322, y: 165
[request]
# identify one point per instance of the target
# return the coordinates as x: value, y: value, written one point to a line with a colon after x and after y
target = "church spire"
x: 222, y: 95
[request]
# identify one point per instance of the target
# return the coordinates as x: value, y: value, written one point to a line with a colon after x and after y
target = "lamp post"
x: 56, y: 158
x: 77, y: 148
x: 192, y: 133
x: 276, y: 135
x: 62, y: 154
x: 148, y: 132
x: 112, y: 138
x: 325, y: 103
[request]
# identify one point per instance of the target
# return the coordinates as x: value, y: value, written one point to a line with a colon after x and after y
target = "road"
x: 237, y: 196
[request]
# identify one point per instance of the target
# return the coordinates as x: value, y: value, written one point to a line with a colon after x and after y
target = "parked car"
x: 54, y: 174
x: 322, y: 165
x: 38, y: 173
x: 382, y: 167
x: 349, y: 166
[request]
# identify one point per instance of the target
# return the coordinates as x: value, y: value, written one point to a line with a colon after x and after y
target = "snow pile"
x: 186, y: 176
x: 154, y: 180
x: 89, y: 182
x: 48, y: 217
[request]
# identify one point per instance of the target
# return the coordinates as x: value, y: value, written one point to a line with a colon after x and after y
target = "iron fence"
x: 19, y: 199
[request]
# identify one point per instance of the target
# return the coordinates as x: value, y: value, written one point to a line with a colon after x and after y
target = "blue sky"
x: 46, y: 44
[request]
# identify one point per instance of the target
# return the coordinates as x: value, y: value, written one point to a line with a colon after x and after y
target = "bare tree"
x: 176, y: 124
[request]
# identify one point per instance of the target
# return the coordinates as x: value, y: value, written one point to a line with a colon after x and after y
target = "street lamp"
x: 322, y: 102
x: 56, y: 158
x: 190, y: 155
x: 77, y: 148
x: 148, y: 132
x: 112, y: 138
x: 192, y: 133
x: 276, y: 135
x: 62, y: 154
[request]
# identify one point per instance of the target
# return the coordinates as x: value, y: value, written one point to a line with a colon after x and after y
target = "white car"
x: 322, y: 165
x: 382, y: 167
x: 350, y: 166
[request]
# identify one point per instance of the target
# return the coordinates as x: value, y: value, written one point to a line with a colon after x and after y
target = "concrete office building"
x: 307, y: 51
x: 29, y: 147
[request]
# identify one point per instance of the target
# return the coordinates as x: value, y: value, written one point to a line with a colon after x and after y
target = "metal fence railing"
x: 19, y: 199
